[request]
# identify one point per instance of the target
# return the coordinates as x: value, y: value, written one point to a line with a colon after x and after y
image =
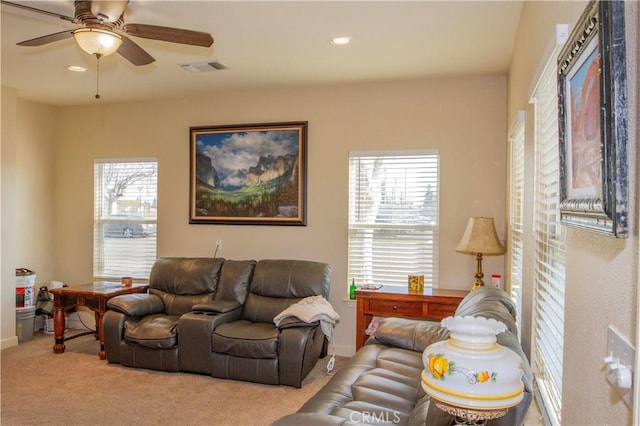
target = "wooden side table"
x: 390, y: 301
x: 94, y: 296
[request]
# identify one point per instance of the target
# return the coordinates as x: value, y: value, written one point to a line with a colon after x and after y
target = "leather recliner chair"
x: 250, y: 347
x: 140, y: 330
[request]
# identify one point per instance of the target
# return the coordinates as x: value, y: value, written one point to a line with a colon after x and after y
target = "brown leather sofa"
x: 215, y: 316
x: 248, y: 346
x: 381, y: 383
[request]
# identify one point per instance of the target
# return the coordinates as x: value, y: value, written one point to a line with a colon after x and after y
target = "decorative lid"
x: 473, y: 332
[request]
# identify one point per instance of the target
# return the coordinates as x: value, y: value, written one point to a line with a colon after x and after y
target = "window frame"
x: 135, y: 251
x: 549, y: 249
x: 396, y: 265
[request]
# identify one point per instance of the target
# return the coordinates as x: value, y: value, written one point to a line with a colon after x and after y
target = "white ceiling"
x: 263, y: 44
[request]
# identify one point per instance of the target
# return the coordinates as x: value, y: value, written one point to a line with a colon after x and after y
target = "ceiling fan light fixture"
x: 96, y: 41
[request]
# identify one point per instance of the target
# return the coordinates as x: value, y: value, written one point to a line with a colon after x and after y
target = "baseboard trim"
x: 344, y: 350
x: 8, y: 343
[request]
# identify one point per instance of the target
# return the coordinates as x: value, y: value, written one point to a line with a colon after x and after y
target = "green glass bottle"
x: 352, y: 289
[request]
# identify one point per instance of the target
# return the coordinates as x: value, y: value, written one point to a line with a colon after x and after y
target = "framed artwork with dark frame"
x: 248, y: 174
x: 593, y: 122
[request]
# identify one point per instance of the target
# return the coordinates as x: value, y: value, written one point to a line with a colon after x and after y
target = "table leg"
x: 102, y: 354
x: 58, y: 326
x: 98, y: 317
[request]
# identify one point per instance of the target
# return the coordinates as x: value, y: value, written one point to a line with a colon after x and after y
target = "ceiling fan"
x: 102, y: 31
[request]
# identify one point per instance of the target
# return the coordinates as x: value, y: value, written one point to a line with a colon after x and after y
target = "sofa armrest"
x: 194, y: 345
x: 291, y: 322
x: 299, y: 350
x: 217, y: 306
x: 414, y: 335
x: 113, y: 332
x: 137, y: 305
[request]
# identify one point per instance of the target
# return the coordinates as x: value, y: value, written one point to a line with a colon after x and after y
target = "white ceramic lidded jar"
x: 471, y: 370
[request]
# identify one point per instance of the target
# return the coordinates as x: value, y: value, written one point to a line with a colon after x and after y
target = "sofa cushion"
x: 409, y: 334
x: 235, y: 277
x: 382, y: 385
x: 378, y: 383
x: 176, y: 304
x: 490, y: 302
x: 290, y: 278
x: 259, y: 308
x: 246, y: 339
x: 156, y: 331
x: 184, y: 276
x: 279, y: 283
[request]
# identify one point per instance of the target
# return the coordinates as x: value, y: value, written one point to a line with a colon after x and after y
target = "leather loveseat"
x: 381, y: 383
x: 215, y: 316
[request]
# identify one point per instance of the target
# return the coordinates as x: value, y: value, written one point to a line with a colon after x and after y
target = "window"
x: 549, y: 241
x: 124, y: 230
x: 393, y: 217
x: 516, y: 217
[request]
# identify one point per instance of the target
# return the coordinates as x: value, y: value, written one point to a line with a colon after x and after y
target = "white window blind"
x: 516, y: 217
x: 549, y: 261
x: 125, y: 219
x: 393, y: 217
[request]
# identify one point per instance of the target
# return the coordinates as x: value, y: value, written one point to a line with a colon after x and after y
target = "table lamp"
x: 470, y: 376
x: 480, y: 238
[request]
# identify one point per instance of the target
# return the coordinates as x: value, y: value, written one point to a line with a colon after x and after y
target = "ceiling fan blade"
x: 33, y: 9
x: 39, y: 41
x: 134, y: 53
x: 174, y: 35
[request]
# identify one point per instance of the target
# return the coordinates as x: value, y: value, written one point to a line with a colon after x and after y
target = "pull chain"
x: 98, y: 56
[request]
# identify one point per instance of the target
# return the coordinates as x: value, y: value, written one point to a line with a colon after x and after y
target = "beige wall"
x: 601, y: 272
x: 7, y: 180
x: 463, y: 118
x: 47, y: 173
x: 28, y: 136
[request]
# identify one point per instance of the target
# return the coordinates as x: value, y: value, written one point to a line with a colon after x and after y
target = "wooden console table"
x: 94, y: 296
x: 390, y: 301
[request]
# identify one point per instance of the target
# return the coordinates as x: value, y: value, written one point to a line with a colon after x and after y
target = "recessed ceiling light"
x: 76, y: 68
x: 341, y: 41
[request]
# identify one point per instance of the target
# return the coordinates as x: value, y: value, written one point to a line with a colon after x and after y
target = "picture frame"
x: 592, y: 122
x: 249, y: 174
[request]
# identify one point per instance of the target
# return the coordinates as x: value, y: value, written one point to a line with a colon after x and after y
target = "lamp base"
x: 469, y: 416
x: 478, y: 282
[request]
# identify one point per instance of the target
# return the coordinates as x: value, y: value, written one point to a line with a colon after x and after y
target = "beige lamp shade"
x: 96, y: 41
x: 480, y: 237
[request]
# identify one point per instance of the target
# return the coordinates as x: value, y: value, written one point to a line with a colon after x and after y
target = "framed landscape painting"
x: 249, y: 174
x: 593, y: 122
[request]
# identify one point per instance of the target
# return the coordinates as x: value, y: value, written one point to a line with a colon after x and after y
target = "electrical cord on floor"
x: 85, y: 325
x: 332, y: 360
x: 331, y: 364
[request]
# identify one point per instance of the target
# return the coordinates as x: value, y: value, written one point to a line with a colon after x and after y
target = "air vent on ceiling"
x: 204, y: 66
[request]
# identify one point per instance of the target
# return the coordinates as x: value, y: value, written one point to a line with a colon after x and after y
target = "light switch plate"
x: 621, y: 349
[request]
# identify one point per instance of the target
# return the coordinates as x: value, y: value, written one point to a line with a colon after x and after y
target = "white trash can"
x: 25, y: 288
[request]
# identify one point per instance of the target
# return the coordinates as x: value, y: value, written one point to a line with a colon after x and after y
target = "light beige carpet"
x: 77, y: 388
